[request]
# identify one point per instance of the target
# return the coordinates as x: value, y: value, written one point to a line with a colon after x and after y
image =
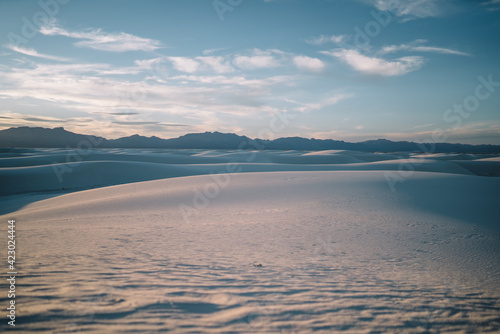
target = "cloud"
x: 212, y: 51
x: 492, y: 5
x: 324, y: 39
x: 121, y: 113
x: 183, y: 64
x: 99, y: 40
x: 410, y: 9
x: 217, y: 64
x: 377, y: 66
x: 255, y: 62
x: 333, y: 99
x: 107, y: 127
x: 205, y: 63
x: 34, y: 53
x: 421, y: 48
x: 149, y: 123
x: 258, y: 59
x: 149, y: 64
x: 188, y: 98
x: 10, y: 118
x: 474, y: 133
x: 235, y: 80
x: 29, y: 118
x: 308, y: 63
x: 79, y: 69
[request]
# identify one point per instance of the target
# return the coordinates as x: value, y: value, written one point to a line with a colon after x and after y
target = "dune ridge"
x: 54, y: 170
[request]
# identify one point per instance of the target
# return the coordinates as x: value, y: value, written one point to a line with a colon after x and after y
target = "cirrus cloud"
x: 411, y: 9
x: 415, y: 46
x: 324, y: 39
x: 34, y: 53
x: 100, y: 40
x: 377, y: 66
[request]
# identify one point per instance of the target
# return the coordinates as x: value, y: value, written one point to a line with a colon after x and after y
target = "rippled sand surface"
x: 280, y: 252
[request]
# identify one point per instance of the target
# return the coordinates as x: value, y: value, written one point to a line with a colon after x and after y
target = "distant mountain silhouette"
x: 208, y: 140
x: 134, y: 141
x: 36, y: 137
x: 43, y: 137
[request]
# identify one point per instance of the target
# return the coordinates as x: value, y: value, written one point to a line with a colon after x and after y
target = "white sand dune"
x: 279, y: 248
x: 65, y: 172
x: 94, y: 174
x: 74, y: 157
x: 483, y: 167
x: 447, y: 156
x: 489, y: 159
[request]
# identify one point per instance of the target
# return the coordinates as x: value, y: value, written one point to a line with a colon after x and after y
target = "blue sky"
x: 422, y: 70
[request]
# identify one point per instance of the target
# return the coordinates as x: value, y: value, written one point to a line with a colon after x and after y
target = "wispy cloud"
x: 122, y: 113
x: 34, y: 53
x: 474, y: 132
x: 324, y: 39
x: 377, y: 66
x: 99, y: 40
x: 9, y: 119
x: 250, y: 60
x: 22, y: 118
x: 149, y: 123
x: 87, y: 89
x: 212, y: 51
x: 110, y: 127
x: 149, y: 64
x: 255, y: 62
x: 410, y: 9
x: 329, y: 100
x: 415, y: 46
x: 238, y: 80
x: 492, y: 5
x: 258, y: 59
x: 217, y: 64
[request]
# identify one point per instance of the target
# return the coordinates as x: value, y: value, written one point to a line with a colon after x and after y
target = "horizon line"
x: 256, y: 138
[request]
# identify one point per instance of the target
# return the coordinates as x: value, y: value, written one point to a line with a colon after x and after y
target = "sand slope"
x: 339, y: 252
x: 66, y: 170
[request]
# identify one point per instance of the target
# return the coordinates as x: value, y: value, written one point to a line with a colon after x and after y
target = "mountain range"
x: 37, y: 137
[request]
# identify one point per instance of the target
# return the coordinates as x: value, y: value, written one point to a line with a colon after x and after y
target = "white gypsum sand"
x: 288, y: 247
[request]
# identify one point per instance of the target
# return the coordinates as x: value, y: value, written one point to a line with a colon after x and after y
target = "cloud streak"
x: 412, y: 9
x: 255, y: 62
x: 421, y: 48
x: 492, y: 5
x: 34, y: 53
x: 330, y: 100
x: 377, y: 66
x: 99, y: 40
x: 325, y: 39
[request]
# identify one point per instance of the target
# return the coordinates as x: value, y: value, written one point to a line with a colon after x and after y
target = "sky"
x: 353, y: 70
